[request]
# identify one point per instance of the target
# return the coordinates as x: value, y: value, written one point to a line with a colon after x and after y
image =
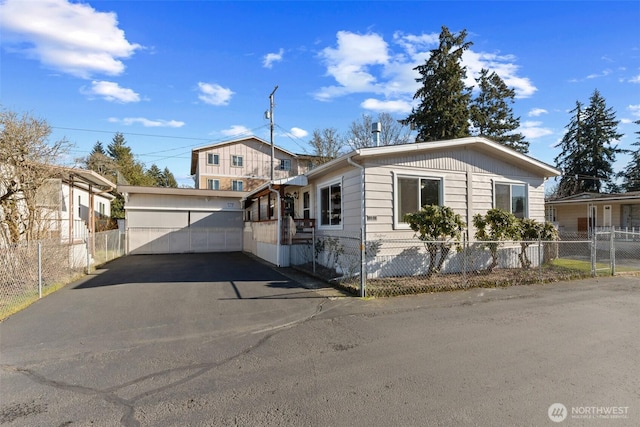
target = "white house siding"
x: 468, y: 177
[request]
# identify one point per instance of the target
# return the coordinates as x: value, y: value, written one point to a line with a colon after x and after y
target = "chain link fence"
x: 397, y: 267
x: 31, y: 270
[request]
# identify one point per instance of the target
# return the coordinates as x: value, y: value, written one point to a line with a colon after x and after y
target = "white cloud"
x: 214, y: 94
x: 533, y: 130
x: 111, y: 91
x: 503, y: 65
x: 604, y: 73
x: 368, y: 64
x: 350, y: 62
x: 635, y: 79
x: 397, y: 106
x: 536, y: 112
x: 236, y: 130
x: 70, y: 37
x: 148, y: 123
x: 634, y: 109
x: 270, y: 58
x: 298, y: 133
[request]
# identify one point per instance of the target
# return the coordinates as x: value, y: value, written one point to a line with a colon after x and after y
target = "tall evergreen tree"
x: 631, y: 174
x: 587, y: 150
x: 169, y: 180
x: 99, y: 162
x: 570, y: 151
x: 443, y: 112
x: 130, y: 169
x: 601, y: 129
x: 491, y: 113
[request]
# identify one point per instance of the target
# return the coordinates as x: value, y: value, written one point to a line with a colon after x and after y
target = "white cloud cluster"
x: 298, y: 133
x: 236, y: 130
x: 533, y: 130
x: 367, y: 63
x: 111, y: 91
x: 635, y: 79
x: 537, y: 112
x: 70, y: 37
x: 634, y: 109
x: 147, y: 122
x: 270, y: 58
x: 214, y: 94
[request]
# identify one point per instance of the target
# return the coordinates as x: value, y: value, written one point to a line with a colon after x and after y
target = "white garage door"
x: 166, y: 232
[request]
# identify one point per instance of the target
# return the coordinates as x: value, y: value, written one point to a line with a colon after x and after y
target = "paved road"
x: 220, y: 339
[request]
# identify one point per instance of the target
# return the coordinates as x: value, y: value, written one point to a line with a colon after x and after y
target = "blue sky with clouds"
x: 173, y: 75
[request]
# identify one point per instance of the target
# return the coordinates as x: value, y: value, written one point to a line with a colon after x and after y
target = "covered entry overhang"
x: 269, y: 219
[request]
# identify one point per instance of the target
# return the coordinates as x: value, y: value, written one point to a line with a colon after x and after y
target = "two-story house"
x: 243, y: 164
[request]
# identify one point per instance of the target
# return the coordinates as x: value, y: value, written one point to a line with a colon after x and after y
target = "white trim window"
x: 285, y: 165
x: 551, y: 214
x: 213, y: 159
x: 237, y: 161
x: 213, y: 184
x: 330, y: 205
x: 414, y: 192
x: 511, y: 197
x: 236, y: 185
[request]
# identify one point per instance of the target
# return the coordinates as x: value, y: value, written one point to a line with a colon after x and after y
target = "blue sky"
x: 173, y: 75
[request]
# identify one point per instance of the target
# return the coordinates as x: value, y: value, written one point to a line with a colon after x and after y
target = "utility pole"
x: 271, y: 128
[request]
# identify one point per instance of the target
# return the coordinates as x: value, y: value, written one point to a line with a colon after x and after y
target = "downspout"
x: 279, y: 231
x: 363, y: 230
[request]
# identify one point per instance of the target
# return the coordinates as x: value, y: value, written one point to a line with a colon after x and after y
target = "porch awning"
x: 276, y: 184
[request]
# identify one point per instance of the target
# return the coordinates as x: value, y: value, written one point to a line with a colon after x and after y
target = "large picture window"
x: 330, y: 197
x: 511, y: 198
x: 415, y: 192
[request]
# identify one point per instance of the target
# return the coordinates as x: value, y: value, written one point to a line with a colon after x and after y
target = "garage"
x: 181, y: 220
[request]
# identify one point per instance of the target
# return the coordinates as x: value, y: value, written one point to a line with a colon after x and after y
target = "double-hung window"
x: 511, y: 197
x: 236, y: 161
x: 330, y: 197
x: 213, y: 184
x: 213, y: 159
x: 236, y: 185
x: 285, y: 164
x: 414, y: 192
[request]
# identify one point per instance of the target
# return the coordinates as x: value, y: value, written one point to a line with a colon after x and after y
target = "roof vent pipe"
x: 376, y: 128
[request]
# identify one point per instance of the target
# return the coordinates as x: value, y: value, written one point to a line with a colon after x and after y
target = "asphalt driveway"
x: 221, y: 339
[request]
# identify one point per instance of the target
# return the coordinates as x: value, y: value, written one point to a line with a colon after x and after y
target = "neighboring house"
x: 370, y: 189
x: 78, y: 202
x: 69, y: 205
x: 179, y: 220
x: 582, y: 213
x: 243, y: 164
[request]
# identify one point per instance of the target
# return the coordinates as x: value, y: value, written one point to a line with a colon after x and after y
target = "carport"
x: 181, y: 220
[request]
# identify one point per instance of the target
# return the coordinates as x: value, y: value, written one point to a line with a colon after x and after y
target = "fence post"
x: 593, y: 254
x: 88, y: 256
x: 612, y: 251
x: 39, y: 269
x: 465, y: 254
x: 363, y: 262
x: 313, y: 248
x: 540, y: 256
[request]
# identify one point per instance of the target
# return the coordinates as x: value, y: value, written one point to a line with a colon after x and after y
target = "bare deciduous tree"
x: 26, y: 167
x: 326, y: 145
x: 392, y: 132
